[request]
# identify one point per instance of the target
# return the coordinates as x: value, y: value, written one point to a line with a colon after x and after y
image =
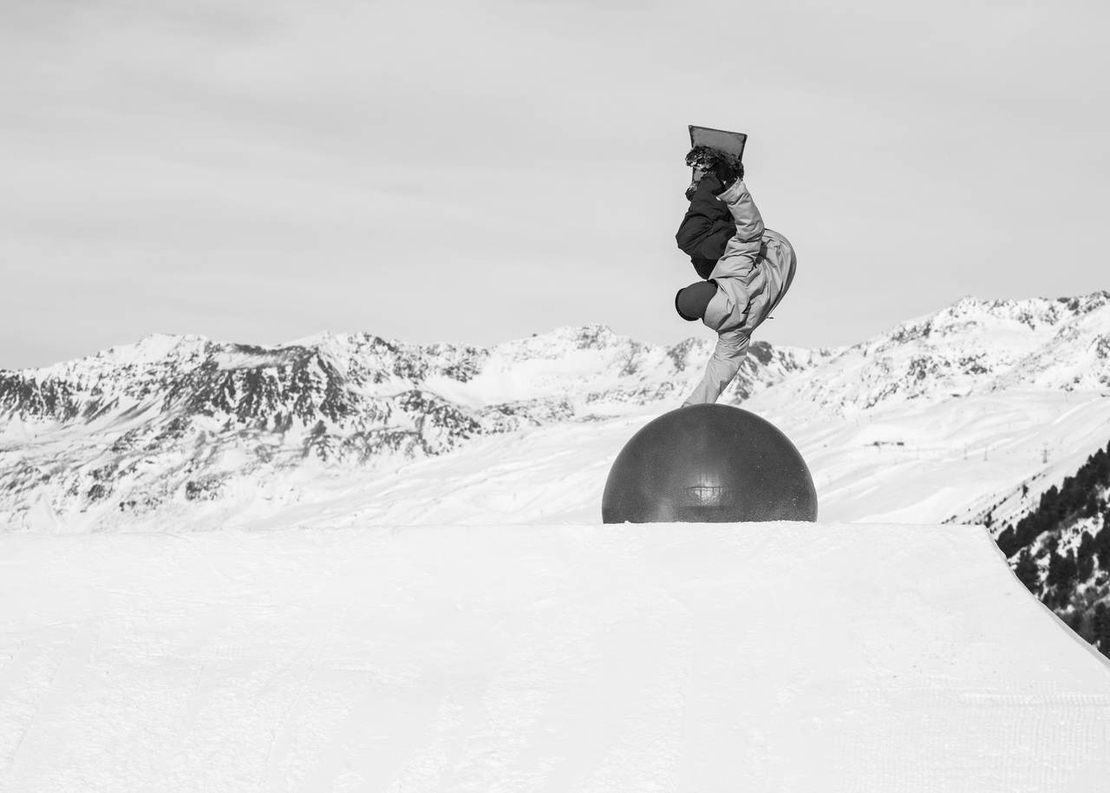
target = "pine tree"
x: 1026, y: 570
x: 1007, y: 541
x: 1084, y: 557
x: 1102, y: 543
x: 1062, y: 571
x: 1103, y: 633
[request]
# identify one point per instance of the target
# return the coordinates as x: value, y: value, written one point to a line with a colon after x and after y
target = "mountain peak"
x: 1034, y: 312
x: 176, y: 419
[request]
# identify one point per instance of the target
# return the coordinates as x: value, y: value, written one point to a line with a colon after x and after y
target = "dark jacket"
x: 706, y: 228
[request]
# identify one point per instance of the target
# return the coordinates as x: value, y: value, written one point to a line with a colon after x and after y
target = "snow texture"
x: 770, y: 657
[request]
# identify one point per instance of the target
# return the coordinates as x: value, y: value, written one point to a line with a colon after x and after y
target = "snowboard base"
x: 720, y: 139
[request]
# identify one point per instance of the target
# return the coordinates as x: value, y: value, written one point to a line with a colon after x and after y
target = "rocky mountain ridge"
x: 972, y: 346
x: 90, y: 444
x: 184, y: 418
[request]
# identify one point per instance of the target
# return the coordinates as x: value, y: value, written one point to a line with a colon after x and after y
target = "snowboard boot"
x: 703, y: 159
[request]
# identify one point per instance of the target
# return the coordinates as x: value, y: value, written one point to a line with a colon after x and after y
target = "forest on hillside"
x: 1060, y: 550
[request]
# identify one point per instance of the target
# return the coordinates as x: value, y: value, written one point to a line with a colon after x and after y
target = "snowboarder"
x: 746, y: 267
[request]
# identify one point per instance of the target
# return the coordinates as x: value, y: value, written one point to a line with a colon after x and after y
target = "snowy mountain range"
x: 943, y: 417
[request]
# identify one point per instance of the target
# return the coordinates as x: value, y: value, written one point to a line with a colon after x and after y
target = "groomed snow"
x: 763, y: 657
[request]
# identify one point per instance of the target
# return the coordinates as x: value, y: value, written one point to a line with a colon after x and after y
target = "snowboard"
x: 720, y: 139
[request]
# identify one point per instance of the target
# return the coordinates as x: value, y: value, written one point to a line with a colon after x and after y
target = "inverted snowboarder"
x: 746, y: 267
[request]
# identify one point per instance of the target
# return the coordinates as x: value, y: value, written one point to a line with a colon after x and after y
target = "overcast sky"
x: 481, y: 170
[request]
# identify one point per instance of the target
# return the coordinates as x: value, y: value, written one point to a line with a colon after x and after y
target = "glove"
x: 727, y: 173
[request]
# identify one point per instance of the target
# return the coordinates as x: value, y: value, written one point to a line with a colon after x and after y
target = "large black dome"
x: 712, y: 464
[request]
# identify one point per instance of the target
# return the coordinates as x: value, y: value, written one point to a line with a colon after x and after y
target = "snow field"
x: 920, y: 465
x: 790, y: 657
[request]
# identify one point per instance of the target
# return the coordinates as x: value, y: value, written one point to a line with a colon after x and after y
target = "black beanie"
x: 691, y: 301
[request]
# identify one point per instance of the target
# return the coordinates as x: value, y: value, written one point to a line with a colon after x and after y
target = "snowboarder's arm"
x: 707, y: 225
x: 722, y: 367
x: 741, y: 251
x: 703, y: 236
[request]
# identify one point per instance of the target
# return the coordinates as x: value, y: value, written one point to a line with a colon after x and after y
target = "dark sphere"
x: 708, y: 464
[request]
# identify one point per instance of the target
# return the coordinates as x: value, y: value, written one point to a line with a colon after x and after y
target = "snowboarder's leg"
x: 779, y: 262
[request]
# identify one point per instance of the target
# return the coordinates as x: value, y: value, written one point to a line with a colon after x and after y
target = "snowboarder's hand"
x: 727, y: 173
x: 701, y: 182
x: 705, y: 182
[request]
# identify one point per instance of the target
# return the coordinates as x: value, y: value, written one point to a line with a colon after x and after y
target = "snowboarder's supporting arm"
x: 742, y: 249
x: 731, y: 348
x: 706, y: 227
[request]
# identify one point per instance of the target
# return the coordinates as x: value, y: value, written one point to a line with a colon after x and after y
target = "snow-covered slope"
x: 937, y: 419
x: 768, y: 657
x: 180, y: 427
x: 389, y: 606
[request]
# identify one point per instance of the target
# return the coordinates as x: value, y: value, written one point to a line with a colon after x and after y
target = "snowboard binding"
x: 706, y: 158
x: 716, y: 151
x: 726, y: 167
